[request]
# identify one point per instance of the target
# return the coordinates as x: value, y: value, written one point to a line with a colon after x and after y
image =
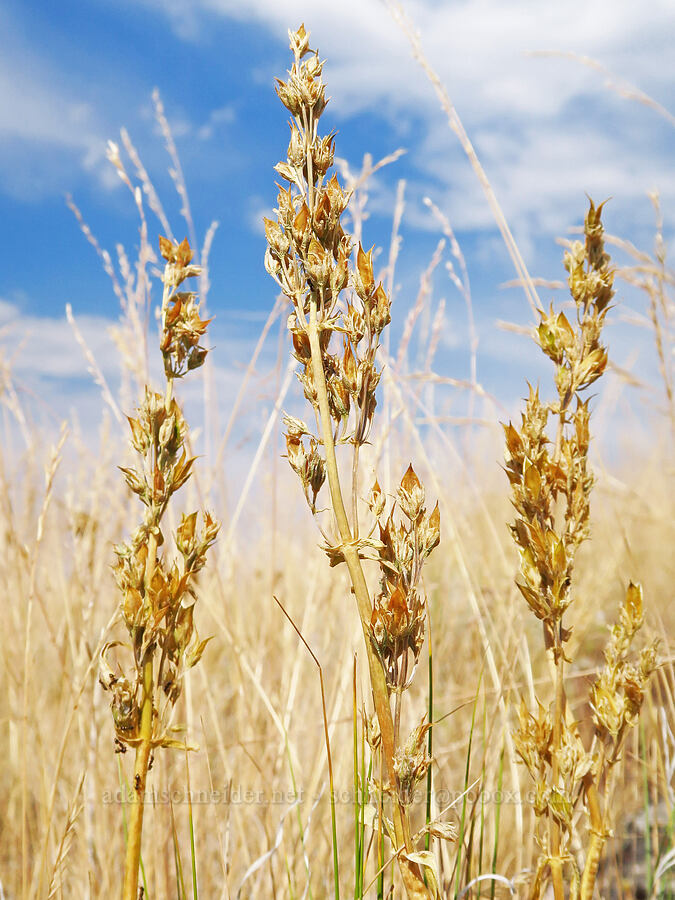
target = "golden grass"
x: 254, y: 702
x: 260, y: 798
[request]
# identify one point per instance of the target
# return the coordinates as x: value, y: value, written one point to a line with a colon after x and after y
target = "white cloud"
x: 514, y: 106
x: 48, y: 345
x: 476, y: 46
x: 31, y: 108
x: 50, y: 374
x: 224, y: 115
x: 539, y: 136
x: 46, y: 129
x: 7, y: 312
x: 541, y: 180
x: 545, y: 128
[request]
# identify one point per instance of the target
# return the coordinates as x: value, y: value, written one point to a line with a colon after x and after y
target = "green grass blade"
x: 365, y: 781
x: 298, y: 814
x: 482, y: 800
x: 645, y: 793
x: 500, y: 779
x: 193, y: 855
x: 462, y: 821
x: 380, y: 839
x: 178, y: 863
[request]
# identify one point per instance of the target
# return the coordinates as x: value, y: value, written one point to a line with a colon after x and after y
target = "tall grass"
x: 158, y: 594
x: 267, y: 815
x: 336, y: 344
x: 551, y: 484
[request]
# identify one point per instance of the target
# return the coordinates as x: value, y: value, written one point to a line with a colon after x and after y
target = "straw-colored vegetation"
x: 551, y: 484
x: 357, y: 725
x: 158, y: 598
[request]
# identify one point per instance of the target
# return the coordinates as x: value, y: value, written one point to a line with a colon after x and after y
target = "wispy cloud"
x: 539, y: 136
x: 547, y: 128
x: 48, y: 348
x: 50, y: 371
x: 224, y: 115
x: 31, y: 108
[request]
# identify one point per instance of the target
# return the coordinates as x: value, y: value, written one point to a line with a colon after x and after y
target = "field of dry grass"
x: 248, y: 813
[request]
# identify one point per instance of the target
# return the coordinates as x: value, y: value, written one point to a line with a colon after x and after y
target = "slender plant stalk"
x: 554, y: 827
x: 366, y: 776
x: 481, y: 840
x: 430, y: 740
x: 410, y: 871
x: 158, y: 597
x: 647, y: 806
x: 309, y: 255
x: 467, y: 768
x: 142, y: 761
x: 363, y: 602
x: 551, y: 495
x: 498, y: 810
x: 193, y: 851
x: 380, y: 833
x: 358, y: 868
x: 177, y: 860
x: 557, y: 879
x: 329, y: 755
x: 137, y: 802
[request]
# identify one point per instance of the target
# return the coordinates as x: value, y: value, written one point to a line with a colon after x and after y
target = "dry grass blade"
x: 256, y: 808
x: 456, y: 124
x: 612, y: 82
x: 50, y: 474
x: 61, y: 861
x: 94, y: 369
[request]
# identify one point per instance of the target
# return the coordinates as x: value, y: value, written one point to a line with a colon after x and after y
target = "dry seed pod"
x: 376, y: 500
x: 446, y: 831
x: 412, y: 761
x: 411, y: 495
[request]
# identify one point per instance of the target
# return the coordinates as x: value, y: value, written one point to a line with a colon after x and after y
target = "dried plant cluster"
x: 551, y: 484
x: 63, y: 833
x: 339, y: 312
x: 158, y: 595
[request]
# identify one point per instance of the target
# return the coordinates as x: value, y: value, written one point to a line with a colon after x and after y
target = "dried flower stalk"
x: 551, y: 494
x: 338, y: 315
x: 158, y: 596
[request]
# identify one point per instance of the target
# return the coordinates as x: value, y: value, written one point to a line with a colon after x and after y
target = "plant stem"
x: 559, y: 712
x: 430, y: 733
x: 357, y: 810
x: 411, y: 875
x: 597, y: 841
x: 359, y: 586
x: 355, y: 490
x: 140, y: 772
x: 143, y: 750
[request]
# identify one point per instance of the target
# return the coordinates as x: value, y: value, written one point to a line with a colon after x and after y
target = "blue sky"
x: 547, y: 129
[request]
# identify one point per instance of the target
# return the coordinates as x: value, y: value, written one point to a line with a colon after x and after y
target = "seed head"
x: 412, y: 761
x: 411, y: 495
